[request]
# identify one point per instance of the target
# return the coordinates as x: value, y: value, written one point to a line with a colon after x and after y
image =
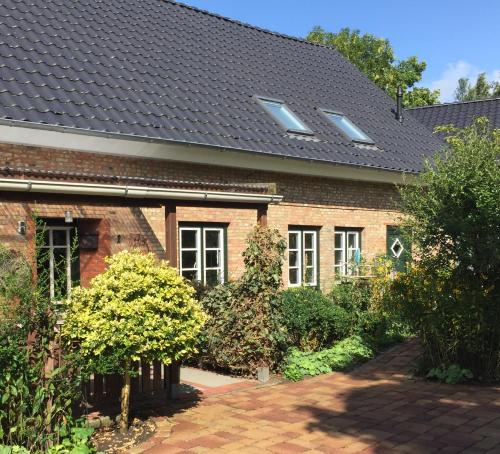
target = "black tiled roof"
x: 459, y: 114
x: 162, y: 70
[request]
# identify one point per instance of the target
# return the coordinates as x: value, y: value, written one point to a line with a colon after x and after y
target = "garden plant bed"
x: 111, y: 441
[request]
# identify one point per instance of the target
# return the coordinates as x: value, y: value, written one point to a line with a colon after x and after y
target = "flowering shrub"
x: 450, y: 296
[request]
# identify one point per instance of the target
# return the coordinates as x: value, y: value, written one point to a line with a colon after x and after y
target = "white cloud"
x: 448, y: 81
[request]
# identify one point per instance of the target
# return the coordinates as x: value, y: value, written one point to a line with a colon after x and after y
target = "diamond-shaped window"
x: 397, y: 248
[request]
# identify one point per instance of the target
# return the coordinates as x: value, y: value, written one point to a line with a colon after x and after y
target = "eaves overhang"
x: 61, y: 137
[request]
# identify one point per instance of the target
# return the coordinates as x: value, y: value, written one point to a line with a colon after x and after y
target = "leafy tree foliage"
x: 136, y: 309
x: 482, y: 89
x: 243, y: 332
x: 451, y: 294
x: 375, y: 57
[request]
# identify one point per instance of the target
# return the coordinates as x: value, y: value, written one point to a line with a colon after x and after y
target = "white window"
x: 202, y: 254
x: 302, y: 257
x: 347, y: 251
x: 285, y: 116
x: 347, y: 127
x: 56, y: 253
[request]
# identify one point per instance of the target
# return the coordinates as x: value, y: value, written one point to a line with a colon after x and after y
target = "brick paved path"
x: 375, y: 409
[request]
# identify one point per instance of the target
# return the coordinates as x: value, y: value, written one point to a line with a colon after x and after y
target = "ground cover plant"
x: 342, y: 355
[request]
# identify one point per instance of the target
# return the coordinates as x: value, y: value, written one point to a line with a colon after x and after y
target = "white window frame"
x: 363, y: 137
x: 197, y: 249
x: 347, y: 253
x: 301, y: 253
x: 51, y: 247
x: 301, y: 128
x: 201, y: 250
x: 220, y: 250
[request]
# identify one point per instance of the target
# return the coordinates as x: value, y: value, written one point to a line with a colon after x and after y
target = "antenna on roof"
x: 399, y: 104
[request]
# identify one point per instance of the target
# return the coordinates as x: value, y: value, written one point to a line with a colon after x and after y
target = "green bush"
x: 344, y: 354
x: 450, y: 296
x: 243, y: 332
x: 311, y: 320
x: 35, y: 405
x: 353, y: 295
x: 358, y: 298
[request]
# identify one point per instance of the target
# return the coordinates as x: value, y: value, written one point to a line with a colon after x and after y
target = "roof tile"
x: 163, y: 70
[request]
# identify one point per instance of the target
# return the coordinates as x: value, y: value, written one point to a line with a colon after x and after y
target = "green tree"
x: 137, y: 309
x: 463, y: 89
x: 451, y: 293
x: 375, y: 58
x: 482, y: 89
x: 420, y: 96
x: 495, y: 90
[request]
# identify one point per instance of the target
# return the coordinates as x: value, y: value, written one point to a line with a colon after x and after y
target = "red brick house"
x: 158, y: 126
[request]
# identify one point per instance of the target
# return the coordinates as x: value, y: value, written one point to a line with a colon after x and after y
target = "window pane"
x: 212, y: 238
x: 188, y: 238
x: 212, y: 277
x: 293, y: 258
x: 308, y: 240
x: 45, y: 236
x: 293, y: 276
x: 308, y: 258
x: 340, y: 270
x: 284, y: 115
x: 352, y: 240
x: 293, y: 240
x: 60, y: 274
x: 59, y: 238
x: 309, y: 277
x: 189, y: 259
x: 339, y: 244
x: 212, y: 259
x: 190, y: 275
x: 349, y: 128
x: 339, y: 257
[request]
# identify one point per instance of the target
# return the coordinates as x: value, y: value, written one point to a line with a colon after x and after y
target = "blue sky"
x: 455, y: 38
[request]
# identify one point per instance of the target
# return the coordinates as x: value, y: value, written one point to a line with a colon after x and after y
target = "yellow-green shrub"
x: 137, y: 308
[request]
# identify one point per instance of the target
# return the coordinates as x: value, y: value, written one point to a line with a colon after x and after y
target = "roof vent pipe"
x: 399, y: 104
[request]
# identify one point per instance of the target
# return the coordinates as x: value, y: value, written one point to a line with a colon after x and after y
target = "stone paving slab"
x: 206, y: 378
x: 376, y: 409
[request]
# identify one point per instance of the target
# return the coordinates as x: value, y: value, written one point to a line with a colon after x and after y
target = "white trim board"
x: 196, y: 154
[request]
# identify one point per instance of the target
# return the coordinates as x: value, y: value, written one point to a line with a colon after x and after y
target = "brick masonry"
x: 310, y: 201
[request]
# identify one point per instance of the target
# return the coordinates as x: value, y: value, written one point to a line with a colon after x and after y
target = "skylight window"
x: 285, y: 116
x: 347, y: 127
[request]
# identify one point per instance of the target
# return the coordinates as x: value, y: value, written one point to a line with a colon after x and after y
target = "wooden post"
x: 146, y: 377
x: 171, y: 233
x: 262, y: 215
x: 157, y: 384
x: 174, y: 379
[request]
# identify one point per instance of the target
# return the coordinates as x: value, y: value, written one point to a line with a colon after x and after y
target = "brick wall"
x: 312, y: 201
